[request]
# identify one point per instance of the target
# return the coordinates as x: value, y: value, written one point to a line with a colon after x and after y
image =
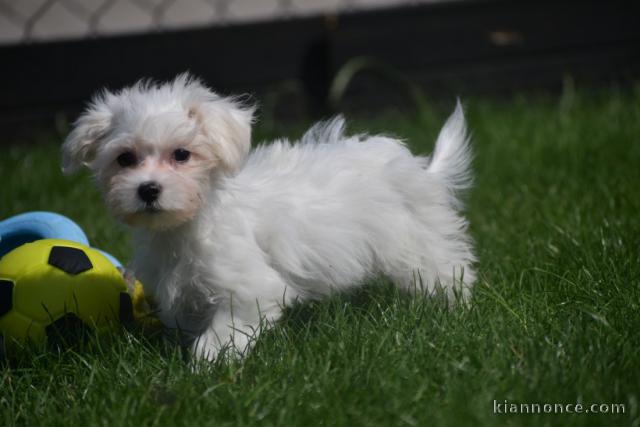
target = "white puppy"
x: 224, y: 237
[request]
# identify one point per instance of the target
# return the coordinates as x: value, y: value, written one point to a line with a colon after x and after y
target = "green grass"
x: 555, y: 315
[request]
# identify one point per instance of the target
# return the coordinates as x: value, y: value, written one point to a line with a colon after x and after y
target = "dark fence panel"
x: 452, y: 48
x: 496, y: 46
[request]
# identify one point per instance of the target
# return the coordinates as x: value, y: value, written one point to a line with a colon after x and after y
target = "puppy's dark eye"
x: 127, y: 159
x: 181, y: 155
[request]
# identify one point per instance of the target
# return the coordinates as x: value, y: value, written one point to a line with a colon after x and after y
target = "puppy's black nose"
x: 149, y: 191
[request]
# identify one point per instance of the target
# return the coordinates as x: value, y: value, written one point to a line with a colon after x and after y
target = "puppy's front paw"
x: 205, y: 349
x: 211, y: 344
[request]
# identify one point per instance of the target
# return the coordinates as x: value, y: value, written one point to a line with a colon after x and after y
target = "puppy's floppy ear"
x: 226, y: 123
x: 80, y: 146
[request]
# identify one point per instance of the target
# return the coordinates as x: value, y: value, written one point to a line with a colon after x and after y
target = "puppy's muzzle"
x: 149, y: 191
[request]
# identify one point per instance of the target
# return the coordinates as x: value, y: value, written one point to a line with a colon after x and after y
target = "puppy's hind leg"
x: 422, y: 271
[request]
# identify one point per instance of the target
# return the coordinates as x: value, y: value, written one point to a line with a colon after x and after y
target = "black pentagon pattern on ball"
x: 6, y: 296
x: 70, y: 260
x: 126, y: 309
x: 67, y: 331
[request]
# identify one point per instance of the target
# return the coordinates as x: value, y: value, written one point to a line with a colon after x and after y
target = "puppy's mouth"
x: 154, y: 215
x: 156, y: 218
x: 151, y: 208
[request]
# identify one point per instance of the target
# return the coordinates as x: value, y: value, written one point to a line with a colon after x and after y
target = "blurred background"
x: 305, y: 59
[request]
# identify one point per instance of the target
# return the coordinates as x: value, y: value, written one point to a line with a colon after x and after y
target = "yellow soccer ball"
x: 50, y: 284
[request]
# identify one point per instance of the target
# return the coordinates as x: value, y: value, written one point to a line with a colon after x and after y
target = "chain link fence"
x: 27, y: 21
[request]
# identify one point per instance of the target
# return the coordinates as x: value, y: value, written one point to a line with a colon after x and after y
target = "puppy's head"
x: 155, y: 149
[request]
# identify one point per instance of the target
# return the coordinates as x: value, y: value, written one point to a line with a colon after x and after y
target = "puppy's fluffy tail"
x: 451, y: 159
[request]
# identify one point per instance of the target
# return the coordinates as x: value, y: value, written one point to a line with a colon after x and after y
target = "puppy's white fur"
x: 233, y: 236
